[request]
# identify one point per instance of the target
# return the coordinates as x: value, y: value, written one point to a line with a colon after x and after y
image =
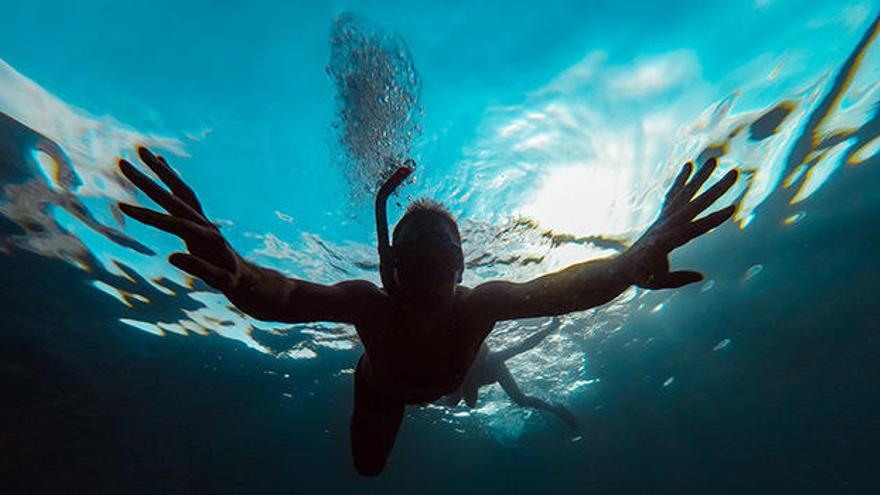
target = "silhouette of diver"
x: 489, y: 367
x: 422, y: 331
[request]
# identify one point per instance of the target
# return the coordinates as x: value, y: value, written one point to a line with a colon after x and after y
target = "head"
x: 427, y: 251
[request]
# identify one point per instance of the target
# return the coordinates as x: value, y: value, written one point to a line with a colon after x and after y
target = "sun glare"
x: 584, y: 200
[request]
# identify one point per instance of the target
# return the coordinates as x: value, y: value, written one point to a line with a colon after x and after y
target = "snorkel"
x: 386, y: 255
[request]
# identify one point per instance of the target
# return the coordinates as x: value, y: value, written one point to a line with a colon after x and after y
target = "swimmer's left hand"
x: 648, y: 258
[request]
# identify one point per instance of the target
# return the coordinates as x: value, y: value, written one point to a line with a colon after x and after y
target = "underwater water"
x: 551, y: 130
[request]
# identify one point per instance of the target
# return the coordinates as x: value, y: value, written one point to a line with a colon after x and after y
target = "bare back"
x: 417, y: 354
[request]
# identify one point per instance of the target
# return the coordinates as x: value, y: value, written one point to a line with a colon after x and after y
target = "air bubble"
x: 378, y: 101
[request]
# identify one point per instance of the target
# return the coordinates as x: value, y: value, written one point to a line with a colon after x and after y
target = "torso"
x: 417, y: 355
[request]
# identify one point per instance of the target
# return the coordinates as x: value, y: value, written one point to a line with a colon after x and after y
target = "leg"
x: 505, y: 379
x: 374, y: 425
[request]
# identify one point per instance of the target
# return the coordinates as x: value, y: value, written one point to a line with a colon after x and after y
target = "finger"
x: 674, y: 280
x: 679, y: 182
x: 217, y: 278
x: 180, y: 227
x: 709, y: 222
x: 163, y: 198
x: 170, y: 178
x: 699, y: 179
x: 712, y: 194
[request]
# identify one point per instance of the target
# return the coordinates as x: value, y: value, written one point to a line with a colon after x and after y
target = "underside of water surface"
x: 550, y: 131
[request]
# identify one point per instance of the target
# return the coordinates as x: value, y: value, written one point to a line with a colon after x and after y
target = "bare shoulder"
x: 498, y: 300
x: 473, y: 305
x: 471, y: 297
x: 462, y: 291
x: 349, y: 301
x: 490, y: 292
x: 359, y: 286
x: 360, y: 291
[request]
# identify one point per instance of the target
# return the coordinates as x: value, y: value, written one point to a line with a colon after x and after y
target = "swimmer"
x: 421, y: 332
x: 489, y: 367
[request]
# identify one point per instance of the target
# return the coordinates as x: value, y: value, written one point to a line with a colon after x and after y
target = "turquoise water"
x: 550, y: 130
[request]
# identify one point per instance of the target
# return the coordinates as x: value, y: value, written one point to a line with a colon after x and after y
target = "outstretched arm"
x: 646, y: 263
x: 260, y: 292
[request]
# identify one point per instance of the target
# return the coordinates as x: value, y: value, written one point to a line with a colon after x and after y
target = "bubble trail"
x: 378, y: 101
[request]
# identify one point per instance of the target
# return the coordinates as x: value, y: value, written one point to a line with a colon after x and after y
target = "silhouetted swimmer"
x: 489, y: 367
x: 421, y: 336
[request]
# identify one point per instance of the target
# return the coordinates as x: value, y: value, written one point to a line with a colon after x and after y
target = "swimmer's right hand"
x: 210, y: 257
